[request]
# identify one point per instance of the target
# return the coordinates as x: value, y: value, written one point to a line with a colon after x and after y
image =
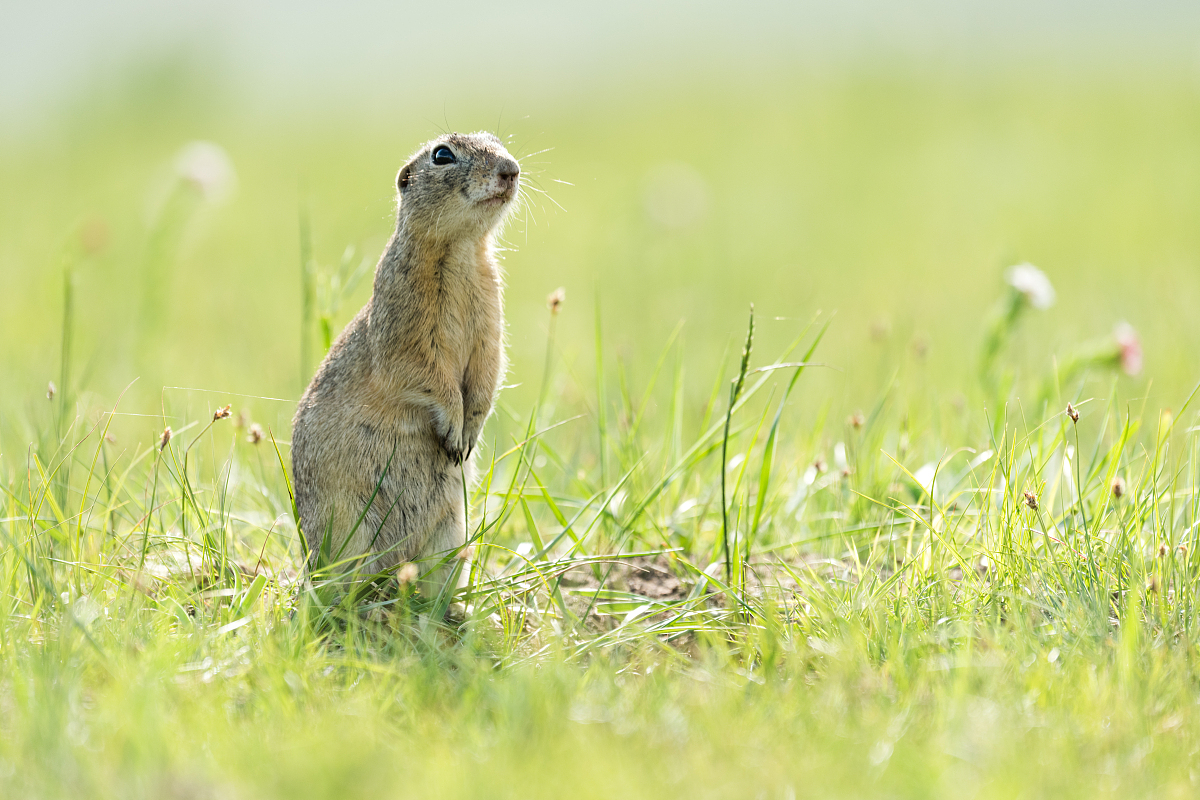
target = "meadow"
x: 784, y: 497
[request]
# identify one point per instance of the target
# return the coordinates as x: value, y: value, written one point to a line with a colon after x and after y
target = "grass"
x: 691, y: 574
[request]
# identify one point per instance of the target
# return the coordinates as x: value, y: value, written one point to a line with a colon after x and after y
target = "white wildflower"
x: 208, y: 167
x: 1033, y: 283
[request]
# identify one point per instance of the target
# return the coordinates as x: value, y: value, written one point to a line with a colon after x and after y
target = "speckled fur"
x: 413, y: 376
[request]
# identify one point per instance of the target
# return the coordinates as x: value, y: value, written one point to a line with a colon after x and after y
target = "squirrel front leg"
x: 443, y: 398
x: 447, y: 407
x: 479, y: 391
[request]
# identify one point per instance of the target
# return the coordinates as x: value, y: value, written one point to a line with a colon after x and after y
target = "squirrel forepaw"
x: 454, y: 451
x: 449, y: 434
x: 459, y: 452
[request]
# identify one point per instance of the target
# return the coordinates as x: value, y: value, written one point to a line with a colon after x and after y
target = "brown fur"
x: 412, y: 378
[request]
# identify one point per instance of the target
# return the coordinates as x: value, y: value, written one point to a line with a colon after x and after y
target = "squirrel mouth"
x: 497, y: 199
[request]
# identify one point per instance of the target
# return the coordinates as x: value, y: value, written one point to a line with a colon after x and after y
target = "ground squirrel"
x: 398, y: 403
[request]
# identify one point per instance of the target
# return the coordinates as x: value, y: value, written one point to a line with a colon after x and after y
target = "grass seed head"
x: 857, y: 420
x: 555, y: 299
x: 255, y: 434
x: 1072, y: 413
x: 51, y: 390
x: 222, y: 413
x: 407, y: 574
x: 1118, y: 487
x: 1031, y: 500
x: 1163, y: 549
x: 165, y: 439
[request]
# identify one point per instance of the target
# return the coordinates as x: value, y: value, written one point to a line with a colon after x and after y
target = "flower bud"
x: 407, y: 574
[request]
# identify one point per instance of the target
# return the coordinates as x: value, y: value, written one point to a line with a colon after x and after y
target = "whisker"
x: 545, y: 194
x: 538, y: 153
x: 517, y: 154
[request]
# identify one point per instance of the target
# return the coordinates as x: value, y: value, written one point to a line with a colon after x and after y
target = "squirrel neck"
x: 408, y: 256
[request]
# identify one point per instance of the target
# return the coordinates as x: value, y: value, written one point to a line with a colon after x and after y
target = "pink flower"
x: 1130, y: 348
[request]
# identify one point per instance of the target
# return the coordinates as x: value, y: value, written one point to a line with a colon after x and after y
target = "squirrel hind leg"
x: 325, y: 527
x: 443, y: 558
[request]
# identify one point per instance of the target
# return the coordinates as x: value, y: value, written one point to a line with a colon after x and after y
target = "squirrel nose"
x: 508, y: 171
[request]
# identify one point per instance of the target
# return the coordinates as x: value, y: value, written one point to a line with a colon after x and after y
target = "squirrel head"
x: 457, y: 185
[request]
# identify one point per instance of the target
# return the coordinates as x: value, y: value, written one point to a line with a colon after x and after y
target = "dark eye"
x: 443, y: 155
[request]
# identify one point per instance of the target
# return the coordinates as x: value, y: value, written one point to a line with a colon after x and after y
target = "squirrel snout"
x: 508, y: 171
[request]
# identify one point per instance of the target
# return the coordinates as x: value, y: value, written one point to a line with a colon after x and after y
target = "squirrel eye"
x: 443, y: 155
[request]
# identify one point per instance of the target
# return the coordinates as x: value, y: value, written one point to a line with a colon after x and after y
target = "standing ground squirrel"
x: 398, y: 403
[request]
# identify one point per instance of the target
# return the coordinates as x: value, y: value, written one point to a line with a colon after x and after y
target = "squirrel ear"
x: 402, y: 178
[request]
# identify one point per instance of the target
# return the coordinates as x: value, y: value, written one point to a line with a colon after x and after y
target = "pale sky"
x: 296, y: 51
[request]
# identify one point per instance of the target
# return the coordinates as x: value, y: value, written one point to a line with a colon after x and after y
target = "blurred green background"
x: 885, y: 164
x: 880, y: 162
